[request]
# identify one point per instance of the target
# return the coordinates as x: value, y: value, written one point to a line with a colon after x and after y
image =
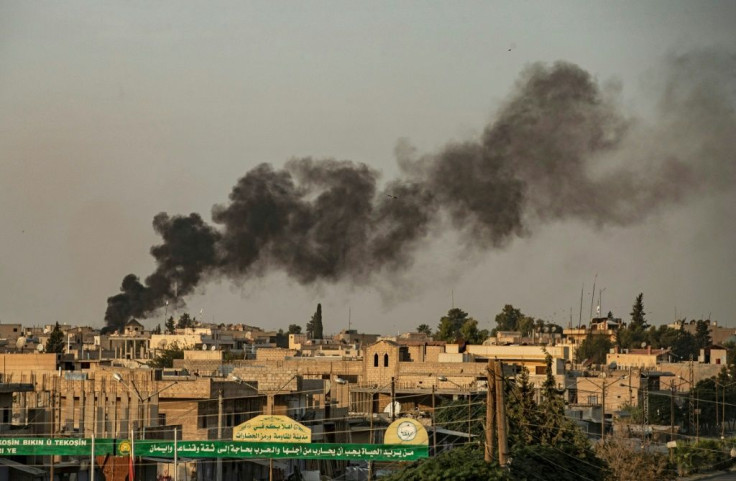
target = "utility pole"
x: 691, y: 403
x: 270, y: 460
x: 490, y: 396
x: 370, y: 436
x: 603, y: 410
x: 697, y: 420
x: 469, y: 417
x: 434, y: 423
x: 92, y: 461
x: 645, y: 396
x: 501, y: 415
x: 723, y: 413
x: 393, y: 399
x: 717, y: 423
x: 176, y: 454
x: 53, y: 425
x: 219, y: 432
x: 672, y: 409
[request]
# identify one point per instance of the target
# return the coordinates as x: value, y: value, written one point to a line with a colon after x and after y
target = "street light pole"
x: 603, y: 402
x: 219, y: 432
x: 119, y: 378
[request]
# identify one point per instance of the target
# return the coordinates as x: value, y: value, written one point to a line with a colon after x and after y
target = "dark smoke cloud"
x: 558, y: 149
x: 188, y: 252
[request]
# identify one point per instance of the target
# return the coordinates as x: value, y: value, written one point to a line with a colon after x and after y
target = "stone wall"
x: 199, y: 355
x: 275, y: 354
x: 13, y: 365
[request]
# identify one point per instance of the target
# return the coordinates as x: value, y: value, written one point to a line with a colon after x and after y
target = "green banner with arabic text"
x: 235, y: 449
x: 210, y: 449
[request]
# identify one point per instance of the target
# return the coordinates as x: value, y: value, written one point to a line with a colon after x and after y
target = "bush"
x: 705, y: 455
x: 459, y: 464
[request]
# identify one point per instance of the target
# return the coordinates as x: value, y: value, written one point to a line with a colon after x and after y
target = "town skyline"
x: 106, y: 123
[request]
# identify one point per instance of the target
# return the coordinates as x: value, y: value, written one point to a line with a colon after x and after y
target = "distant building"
x: 713, y: 354
x: 647, y: 358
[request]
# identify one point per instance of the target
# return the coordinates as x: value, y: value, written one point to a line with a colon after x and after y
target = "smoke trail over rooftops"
x: 559, y: 148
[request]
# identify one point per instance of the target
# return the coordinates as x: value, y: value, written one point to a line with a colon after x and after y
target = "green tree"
x: 186, y: 321
x: 459, y: 464
x: 295, y: 329
x: 631, y: 337
x: 450, y: 325
x: 543, y: 443
x: 555, y: 463
x: 469, y: 331
x: 508, y: 319
x: 540, y: 435
x: 705, y: 454
x: 55, y: 342
x: 165, y: 357
x: 157, y: 329
x: 638, y: 321
x: 684, y: 347
x: 424, y: 329
x: 594, y: 347
x: 527, y: 325
x: 314, y: 326
x: 282, y: 339
x: 662, y: 337
x: 702, y: 334
x: 170, y: 325
x: 523, y: 407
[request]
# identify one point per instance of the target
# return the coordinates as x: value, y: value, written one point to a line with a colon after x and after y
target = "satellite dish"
x: 213, y: 348
x: 20, y: 343
x: 396, y: 408
x: 643, y: 345
x: 40, y: 348
x: 204, y: 347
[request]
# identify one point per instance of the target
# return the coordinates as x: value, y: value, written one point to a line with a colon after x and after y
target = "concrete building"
x: 713, y: 354
x: 647, y: 358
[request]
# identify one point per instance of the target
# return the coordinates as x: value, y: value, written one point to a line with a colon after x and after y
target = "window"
x: 385, y: 360
x: 540, y: 370
x: 375, y: 360
x: 593, y: 400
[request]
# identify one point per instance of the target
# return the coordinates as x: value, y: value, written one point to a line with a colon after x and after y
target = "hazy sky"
x: 111, y: 112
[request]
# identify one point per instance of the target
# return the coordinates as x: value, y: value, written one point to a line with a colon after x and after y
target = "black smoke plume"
x: 559, y: 148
